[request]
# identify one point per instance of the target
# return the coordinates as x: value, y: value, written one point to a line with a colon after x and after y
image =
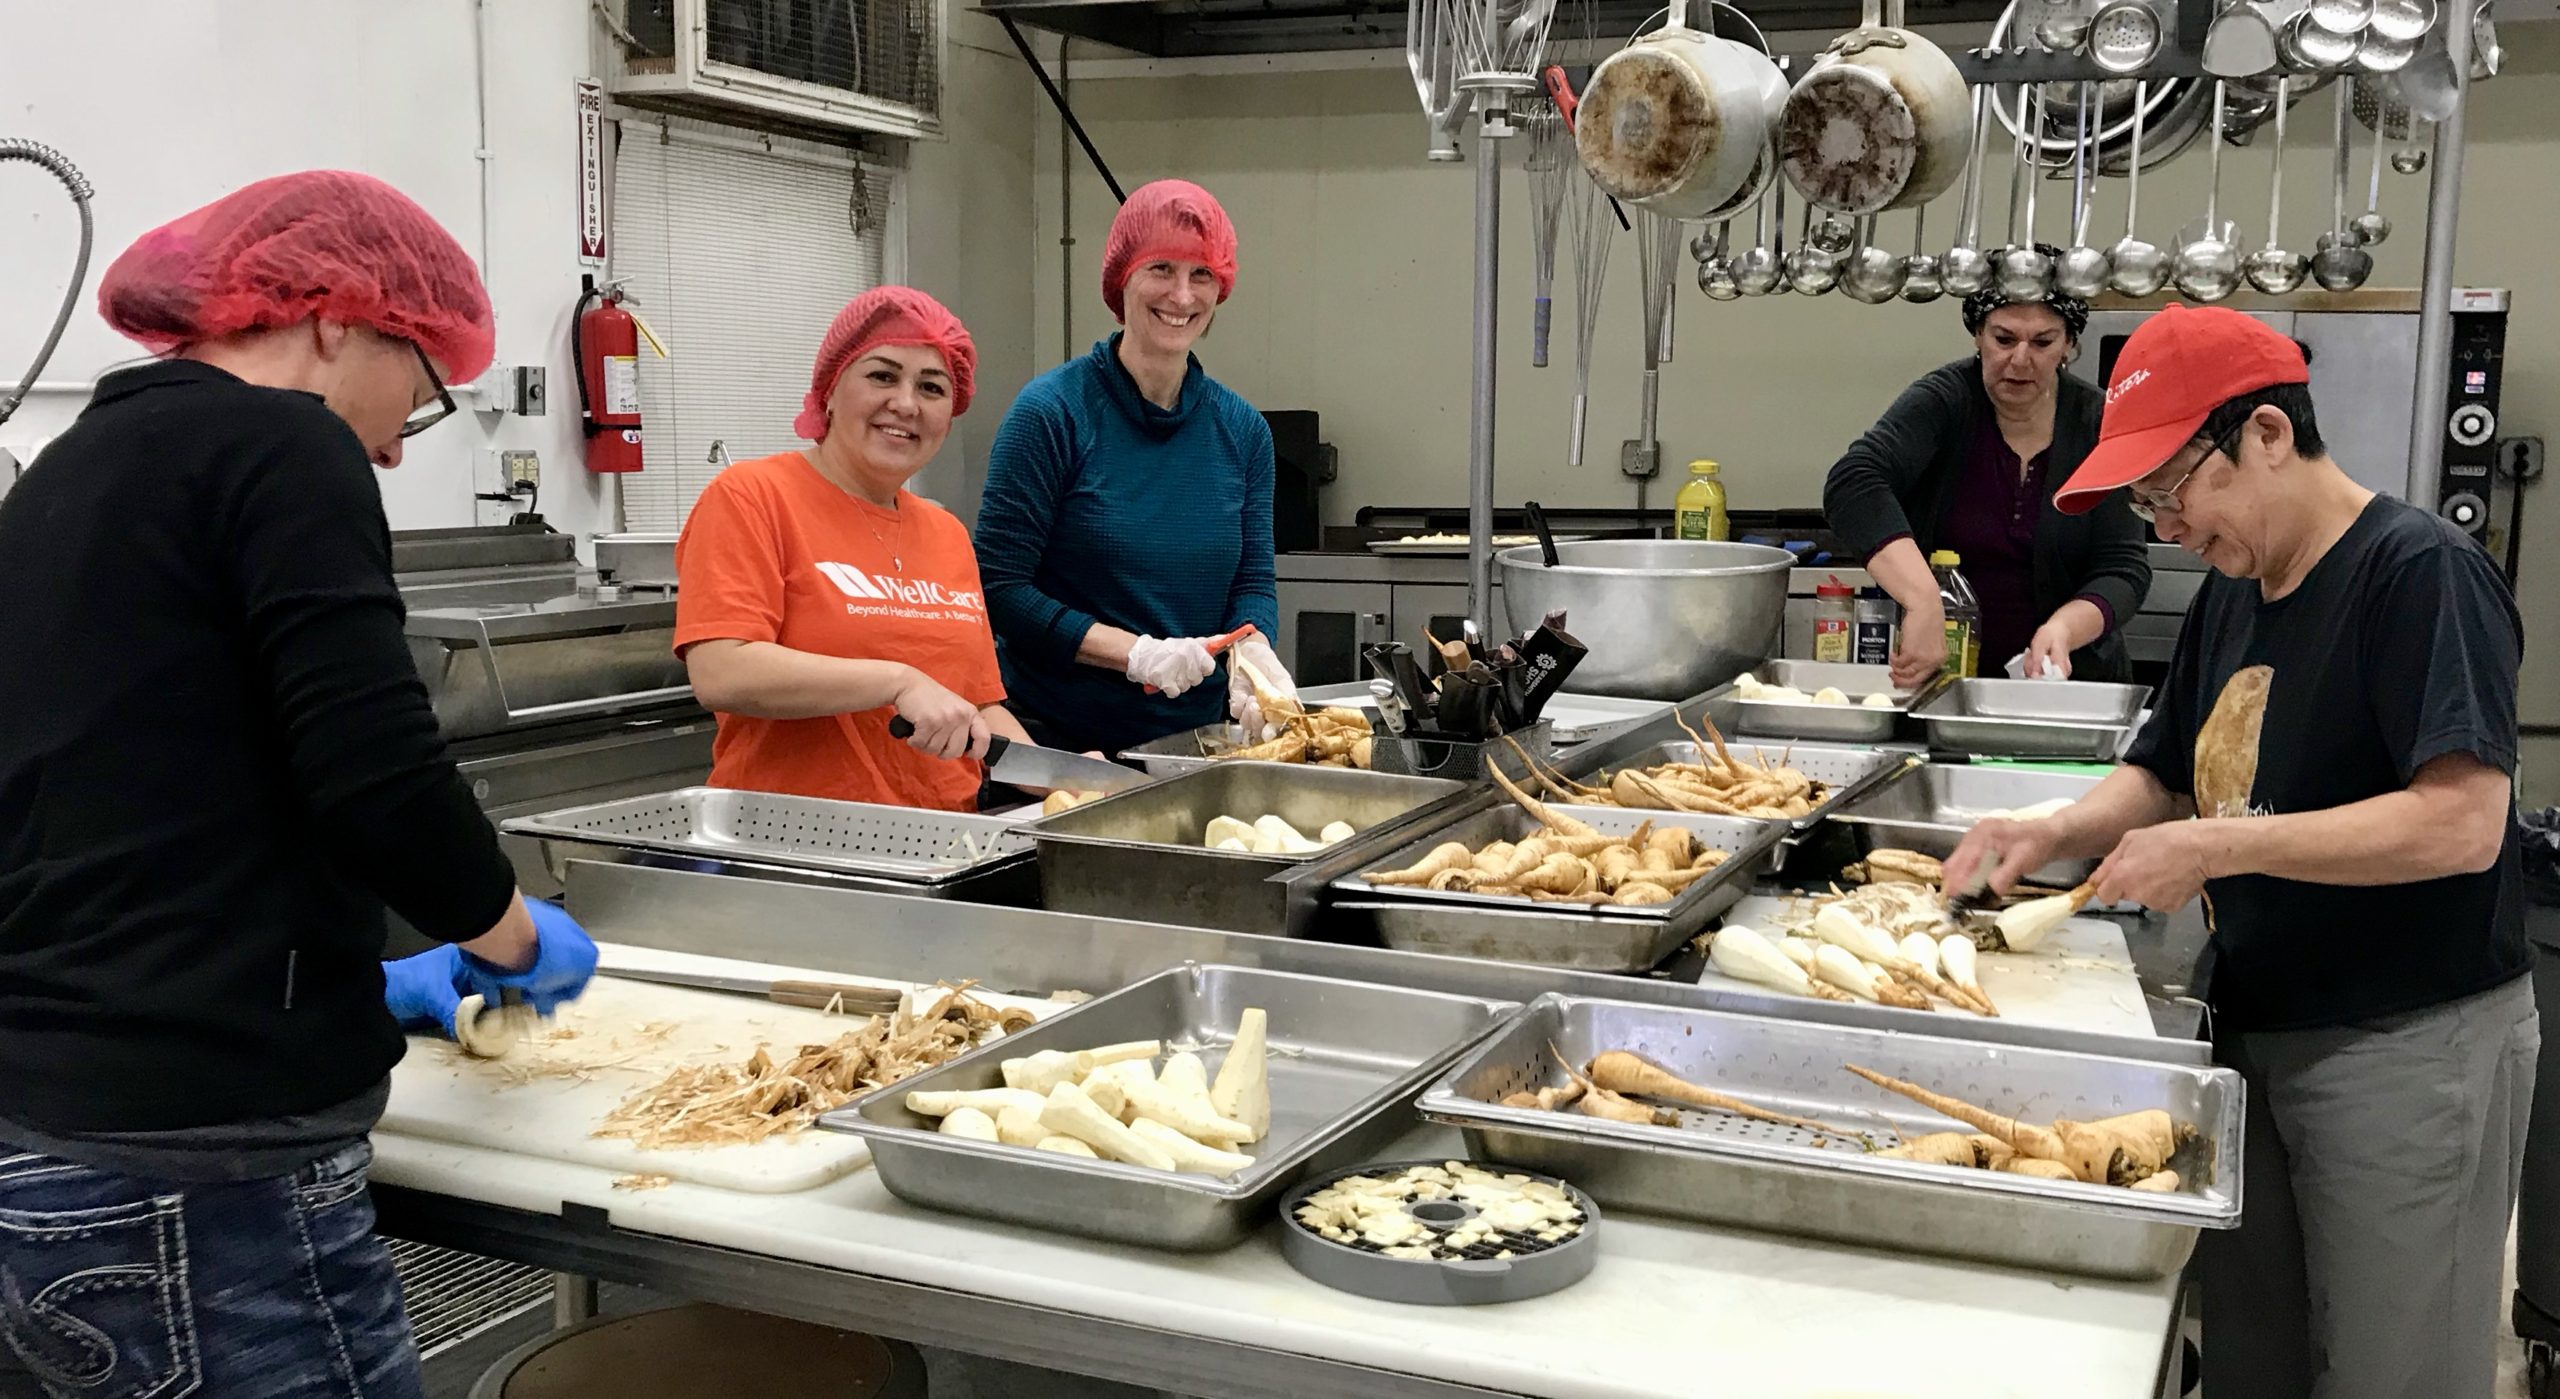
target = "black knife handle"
x: 901, y: 727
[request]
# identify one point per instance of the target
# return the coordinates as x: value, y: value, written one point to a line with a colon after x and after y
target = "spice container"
x: 1872, y: 628
x: 1831, y: 621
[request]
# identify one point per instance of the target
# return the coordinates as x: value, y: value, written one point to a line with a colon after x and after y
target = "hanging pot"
x: 1882, y: 120
x: 1680, y: 121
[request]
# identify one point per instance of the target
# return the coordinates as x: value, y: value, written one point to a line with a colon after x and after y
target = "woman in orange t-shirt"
x: 816, y: 598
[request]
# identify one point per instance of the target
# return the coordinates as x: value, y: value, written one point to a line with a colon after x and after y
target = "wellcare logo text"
x: 888, y: 588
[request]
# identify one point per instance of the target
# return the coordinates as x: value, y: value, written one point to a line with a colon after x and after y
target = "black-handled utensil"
x: 1029, y: 765
x: 1546, y: 537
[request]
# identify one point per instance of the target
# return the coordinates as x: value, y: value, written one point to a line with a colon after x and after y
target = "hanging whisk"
x: 1550, y: 163
x: 1593, y: 227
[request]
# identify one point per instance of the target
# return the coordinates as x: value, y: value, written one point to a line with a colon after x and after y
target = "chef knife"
x: 812, y: 995
x: 1026, y: 765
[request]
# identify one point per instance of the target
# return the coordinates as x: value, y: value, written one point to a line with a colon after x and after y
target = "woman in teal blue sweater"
x: 1126, y: 520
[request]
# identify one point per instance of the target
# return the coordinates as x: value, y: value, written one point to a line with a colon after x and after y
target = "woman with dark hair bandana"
x: 1968, y: 459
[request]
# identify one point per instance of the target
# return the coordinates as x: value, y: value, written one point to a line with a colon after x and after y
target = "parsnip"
x: 2157, y: 1183
x: 1920, y: 950
x: 1050, y: 1067
x: 1066, y: 1146
x: 1242, y: 1090
x: 1278, y: 837
x: 1799, y: 951
x: 1448, y: 855
x: 2027, y: 1138
x: 1860, y: 938
x: 1017, y: 1127
x: 1941, y: 1149
x: 1188, y: 1154
x: 1632, y: 1075
x: 1335, y: 832
x: 1186, y: 1072
x: 2038, y: 1167
x: 1837, y: 966
x: 1226, y: 828
x: 1741, y: 952
x: 1955, y: 952
x: 1192, y: 1117
x: 1070, y: 1113
x: 986, y: 1100
x: 2121, y: 1150
x: 2026, y: 926
x: 970, y: 1123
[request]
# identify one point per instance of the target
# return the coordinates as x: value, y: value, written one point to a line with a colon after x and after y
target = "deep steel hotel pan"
x: 1725, y: 1170
x: 1346, y: 1060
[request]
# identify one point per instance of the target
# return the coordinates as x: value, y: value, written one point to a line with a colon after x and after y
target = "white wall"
x: 166, y: 104
x: 1353, y: 297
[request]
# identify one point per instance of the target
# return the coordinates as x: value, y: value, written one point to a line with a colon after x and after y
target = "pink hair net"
x: 887, y: 316
x: 1168, y: 219
x: 328, y: 243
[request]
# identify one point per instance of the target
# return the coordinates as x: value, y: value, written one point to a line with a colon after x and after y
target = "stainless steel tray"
x: 1503, y: 929
x: 1346, y: 1061
x: 1576, y: 719
x: 1850, y: 723
x: 1930, y: 808
x: 922, y: 851
x: 1849, y: 772
x: 2033, y: 718
x: 1137, y: 854
x: 1726, y: 1170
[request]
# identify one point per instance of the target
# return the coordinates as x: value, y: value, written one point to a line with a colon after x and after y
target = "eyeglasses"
x: 436, y: 412
x: 2148, y: 505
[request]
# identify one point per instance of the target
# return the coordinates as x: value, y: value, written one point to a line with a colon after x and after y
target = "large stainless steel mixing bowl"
x: 1665, y: 618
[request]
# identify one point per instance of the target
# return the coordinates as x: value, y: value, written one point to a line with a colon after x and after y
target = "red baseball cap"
x: 2171, y: 374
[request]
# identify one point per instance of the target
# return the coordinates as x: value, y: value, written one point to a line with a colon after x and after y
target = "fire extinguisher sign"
x: 590, y: 171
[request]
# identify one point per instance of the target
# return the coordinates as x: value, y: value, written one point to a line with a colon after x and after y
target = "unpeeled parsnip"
x: 1633, y: 1076
x: 2127, y: 1150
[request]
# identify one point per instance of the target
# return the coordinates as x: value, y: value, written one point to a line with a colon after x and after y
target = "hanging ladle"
x: 1923, y: 274
x: 2372, y: 226
x: 1965, y: 270
x: 1872, y: 276
x: 1759, y: 271
x: 2272, y: 269
x: 1715, y: 270
x: 1810, y: 270
x: 2208, y: 267
x: 2134, y: 267
x: 2337, y: 264
x: 2025, y: 271
x: 2082, y: 270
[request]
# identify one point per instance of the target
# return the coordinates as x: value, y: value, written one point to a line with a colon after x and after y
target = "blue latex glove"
x: 564, y: 962
x: 424, y: 992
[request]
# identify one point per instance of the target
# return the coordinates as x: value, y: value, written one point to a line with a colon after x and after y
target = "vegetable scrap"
x: 733, y: 1104
x: 1510, y: 1213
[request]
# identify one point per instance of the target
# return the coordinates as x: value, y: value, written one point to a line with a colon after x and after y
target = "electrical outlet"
x: 520, y: 466
x: 2520, y: 458
x: 1634, y: 461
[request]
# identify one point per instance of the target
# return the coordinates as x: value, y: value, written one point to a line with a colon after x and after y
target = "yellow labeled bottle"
x: 1964, y: 615
x: 1698, y: 511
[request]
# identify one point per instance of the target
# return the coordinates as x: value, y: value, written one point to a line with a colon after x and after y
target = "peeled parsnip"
x: 1799, y: 951
x: 1834, y: 964
x: 1069, y: 1113
x: 1741, y: 952
x: 1189, y: 1155
x: 1050, y: 1067
x: 1920, y: 950
x: 1018, y: 1127
x: 1192, y: 1117
x: 987, y: 1100
x: 2030, y: 923
x: 1186, y: 1072
x: 1955, y: 953
x: 970, y: 1123
x: 1066, y: 1146
x: 1242, y: 1090
x: 1845, y: 930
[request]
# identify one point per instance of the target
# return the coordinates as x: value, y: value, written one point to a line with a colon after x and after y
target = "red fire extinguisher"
x: 605, y: 340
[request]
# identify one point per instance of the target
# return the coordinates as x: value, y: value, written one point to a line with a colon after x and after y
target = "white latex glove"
x: 1243, y: 705
x: 1171, y: 665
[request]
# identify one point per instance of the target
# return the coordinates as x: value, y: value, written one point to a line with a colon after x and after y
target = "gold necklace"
x: 897, y: 560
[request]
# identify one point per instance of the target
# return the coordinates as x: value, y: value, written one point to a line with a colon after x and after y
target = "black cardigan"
x: 1900, y: 478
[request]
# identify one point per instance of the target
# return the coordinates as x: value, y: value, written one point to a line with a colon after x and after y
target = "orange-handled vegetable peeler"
x: 1220, y: 643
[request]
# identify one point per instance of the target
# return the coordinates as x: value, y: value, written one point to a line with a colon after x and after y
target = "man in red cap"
x: 2331, y: 764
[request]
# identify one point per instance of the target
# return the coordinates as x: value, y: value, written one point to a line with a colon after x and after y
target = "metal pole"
x: 1489, y: 133
x: 2435, y: 297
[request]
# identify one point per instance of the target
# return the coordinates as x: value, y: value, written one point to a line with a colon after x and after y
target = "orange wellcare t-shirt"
x: 776, y: 552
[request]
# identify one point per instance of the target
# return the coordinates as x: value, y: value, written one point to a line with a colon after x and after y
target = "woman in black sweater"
x: 1968, y: 459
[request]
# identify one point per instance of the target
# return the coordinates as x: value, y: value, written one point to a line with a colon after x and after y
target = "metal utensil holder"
x: 1461, y: 759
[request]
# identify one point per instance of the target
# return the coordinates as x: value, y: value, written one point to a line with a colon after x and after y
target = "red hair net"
x: 329, y: 243
x: 1168, y: 219
x: 888, y: 316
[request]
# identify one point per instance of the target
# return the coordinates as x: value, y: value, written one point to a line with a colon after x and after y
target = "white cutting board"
x: 2080, y: 978
x: 440, y: 1093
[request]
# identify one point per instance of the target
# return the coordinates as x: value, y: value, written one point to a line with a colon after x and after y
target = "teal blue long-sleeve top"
x: 1102, y: 507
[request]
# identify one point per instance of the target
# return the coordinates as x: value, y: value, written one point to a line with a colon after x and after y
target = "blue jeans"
x: 116, y: 1287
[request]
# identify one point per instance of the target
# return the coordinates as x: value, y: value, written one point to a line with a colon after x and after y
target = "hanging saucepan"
x: 1882, y: 120
x: 1679, y: 122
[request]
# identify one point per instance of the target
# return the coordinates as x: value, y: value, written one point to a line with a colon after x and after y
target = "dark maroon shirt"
x: 1991, y: 524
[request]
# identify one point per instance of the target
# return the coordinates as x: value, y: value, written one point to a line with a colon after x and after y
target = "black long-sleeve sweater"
x: 217, y: 766
x: 1900, y: 478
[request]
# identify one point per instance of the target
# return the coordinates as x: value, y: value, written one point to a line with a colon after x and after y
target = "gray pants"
x: 2381, y: 1171
x: 2538, y: 1206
